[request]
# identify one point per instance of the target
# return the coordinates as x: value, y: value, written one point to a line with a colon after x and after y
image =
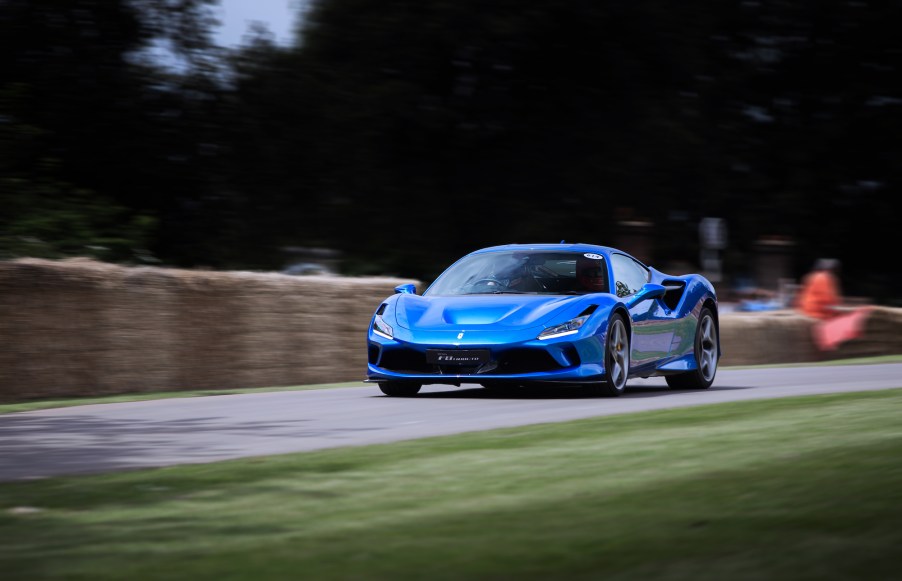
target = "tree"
x: 110, y: 131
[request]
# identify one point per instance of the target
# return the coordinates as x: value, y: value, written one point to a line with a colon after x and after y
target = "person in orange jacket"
x: 821, y: 298
x: 820, y: 294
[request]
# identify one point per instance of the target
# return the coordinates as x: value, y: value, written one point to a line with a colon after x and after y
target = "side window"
x: 629, y: 275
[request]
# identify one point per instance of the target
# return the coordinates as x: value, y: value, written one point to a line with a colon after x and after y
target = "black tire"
x: 706, y: 356
x: 399, y: 388
x: 616, y: 358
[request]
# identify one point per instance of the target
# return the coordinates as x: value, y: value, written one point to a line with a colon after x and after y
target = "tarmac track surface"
x: 124, y: 436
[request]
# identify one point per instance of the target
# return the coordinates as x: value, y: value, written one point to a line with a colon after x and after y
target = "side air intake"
x: 589, y: 310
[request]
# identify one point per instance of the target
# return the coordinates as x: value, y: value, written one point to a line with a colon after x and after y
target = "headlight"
x: 568, y: 328
x: 382, y: 328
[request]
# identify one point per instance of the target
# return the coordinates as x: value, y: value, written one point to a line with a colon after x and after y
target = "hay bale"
x: 763, y: 338
x: 79, y: 327
x: 787, y: 337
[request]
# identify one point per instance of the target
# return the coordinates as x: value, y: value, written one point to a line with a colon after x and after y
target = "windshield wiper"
x: 502, y: 292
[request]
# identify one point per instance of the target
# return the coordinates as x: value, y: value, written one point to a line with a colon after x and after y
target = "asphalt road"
x: 122, y: 436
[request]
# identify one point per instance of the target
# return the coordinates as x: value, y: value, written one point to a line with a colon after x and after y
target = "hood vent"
x: 589, y: 310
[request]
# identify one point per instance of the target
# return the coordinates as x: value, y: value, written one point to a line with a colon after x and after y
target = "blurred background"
x: 744, y: 139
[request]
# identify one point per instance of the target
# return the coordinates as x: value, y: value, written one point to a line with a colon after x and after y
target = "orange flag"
x: 831, y: 333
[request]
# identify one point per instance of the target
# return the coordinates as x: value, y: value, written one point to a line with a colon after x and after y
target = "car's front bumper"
x: 513, y: 360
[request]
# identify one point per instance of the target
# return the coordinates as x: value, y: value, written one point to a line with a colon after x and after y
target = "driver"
x: 518, y: 278
x: 590, y: 274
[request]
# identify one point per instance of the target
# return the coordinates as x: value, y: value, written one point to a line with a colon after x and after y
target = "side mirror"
x: 408, y: 289
x: 649, y: 291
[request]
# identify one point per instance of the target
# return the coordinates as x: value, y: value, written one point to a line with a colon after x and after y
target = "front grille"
x: 510, y: 362
x: 405, y: 360
x: 525, y: 361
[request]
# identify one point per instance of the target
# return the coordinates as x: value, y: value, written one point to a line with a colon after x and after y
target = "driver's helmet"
x: 590, y: 273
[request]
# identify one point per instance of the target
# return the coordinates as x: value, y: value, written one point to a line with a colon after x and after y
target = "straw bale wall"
x: 78, y: 327
x: 772, y: 337
x: 787, y: 337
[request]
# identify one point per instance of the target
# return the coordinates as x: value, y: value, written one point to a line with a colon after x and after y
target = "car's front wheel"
x: 705, y: 356
x: 616, y: 358
x: 399, y: 388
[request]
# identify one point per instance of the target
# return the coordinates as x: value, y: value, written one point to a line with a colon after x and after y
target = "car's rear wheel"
x: 616, y: 358
x: 399, y: 388
x: 705, y: 356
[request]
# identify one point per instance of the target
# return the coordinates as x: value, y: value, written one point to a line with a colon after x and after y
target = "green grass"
x: 794, y: 488
x: 876, y: 360
x: 30, y: 405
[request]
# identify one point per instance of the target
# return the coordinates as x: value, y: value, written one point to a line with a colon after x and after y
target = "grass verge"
x: 794, y: 488
x: 876, y: 360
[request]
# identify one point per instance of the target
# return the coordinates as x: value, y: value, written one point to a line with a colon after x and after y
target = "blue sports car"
x: 565, y: 314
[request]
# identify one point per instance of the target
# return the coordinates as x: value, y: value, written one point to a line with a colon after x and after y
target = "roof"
x: 563, y: 246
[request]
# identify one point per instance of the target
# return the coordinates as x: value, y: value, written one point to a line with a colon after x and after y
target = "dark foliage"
x: 405, y: 133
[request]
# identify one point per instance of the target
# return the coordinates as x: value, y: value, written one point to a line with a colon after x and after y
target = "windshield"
x: 552, y: 273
